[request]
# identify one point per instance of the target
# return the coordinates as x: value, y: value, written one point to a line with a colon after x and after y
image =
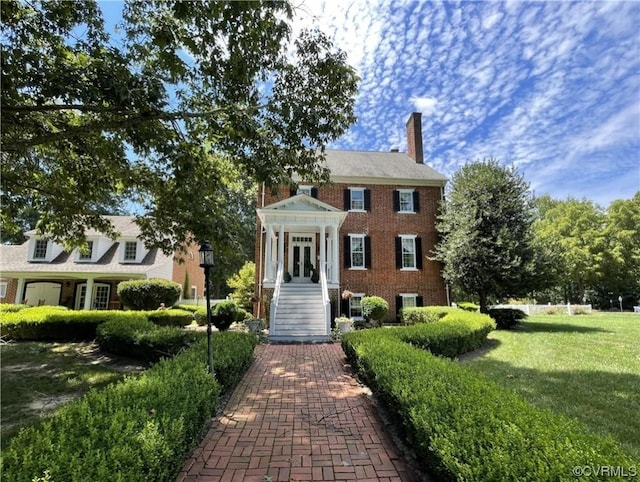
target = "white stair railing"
x: 326, y: 302
x: 273, y: 310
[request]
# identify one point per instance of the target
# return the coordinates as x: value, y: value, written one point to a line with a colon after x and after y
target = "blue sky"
x: 551, y: 87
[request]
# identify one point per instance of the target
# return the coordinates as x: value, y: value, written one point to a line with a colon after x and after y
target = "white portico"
x: 309, y: 229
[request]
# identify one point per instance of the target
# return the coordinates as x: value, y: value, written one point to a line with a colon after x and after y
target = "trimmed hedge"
x: 464, y: 427
x: 141, y: 338
x: 148, y: 294
x: 139, y: 429
x: 58, y: 323
x: 467, y: 306
x: 11, y: 308
x: 425, y: 314
x: 374, y: 308
x: 174, y: 317
x: 458, y: 332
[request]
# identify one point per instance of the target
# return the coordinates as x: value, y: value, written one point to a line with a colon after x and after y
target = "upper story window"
x: 406, y: 201
x: 40, y: 249
x: 357, y: 251
x: 408, y: 252
x: 357, y: 199
x: 87, y: 255
x: 130, y: 250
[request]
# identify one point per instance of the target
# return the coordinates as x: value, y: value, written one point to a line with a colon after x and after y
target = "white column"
x: 281, y: 245
x: 20, y: 291
x: 268, y: 261
x: 88, y: 295
x: 335, y: 273
x: 323, y: 246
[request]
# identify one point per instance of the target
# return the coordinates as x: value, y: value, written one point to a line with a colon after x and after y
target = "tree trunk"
x: 483, y: 302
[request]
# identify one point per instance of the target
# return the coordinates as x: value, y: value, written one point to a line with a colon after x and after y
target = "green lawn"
x: 586, y: 367
x: 38, y: 377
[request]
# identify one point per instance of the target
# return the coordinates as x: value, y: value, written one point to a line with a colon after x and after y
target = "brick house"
x: 369, y: 232
x: 40, y: 272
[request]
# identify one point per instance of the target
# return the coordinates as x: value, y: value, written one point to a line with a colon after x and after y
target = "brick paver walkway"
x: 298, y: 414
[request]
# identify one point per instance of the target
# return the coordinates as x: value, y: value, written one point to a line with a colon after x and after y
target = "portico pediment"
x: 301, y: 202
x: 301, y: 210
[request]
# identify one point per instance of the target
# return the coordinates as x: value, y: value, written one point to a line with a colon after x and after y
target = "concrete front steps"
x: 300, y: 314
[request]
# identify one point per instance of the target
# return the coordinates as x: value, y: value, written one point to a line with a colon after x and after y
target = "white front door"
x: 302, y: 256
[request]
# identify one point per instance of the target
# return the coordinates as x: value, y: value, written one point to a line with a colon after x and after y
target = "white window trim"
x: 364, y: 254
x: 4, y: 285
x: 406, y: 191
x: 46, y: 252
x: 91, y: 259
x: 124, y: 250
x: 358, y: 295
x: 351, y: 191
x: 415, y: 255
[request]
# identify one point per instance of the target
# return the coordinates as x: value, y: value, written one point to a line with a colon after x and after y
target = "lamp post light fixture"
x: 206, y: 262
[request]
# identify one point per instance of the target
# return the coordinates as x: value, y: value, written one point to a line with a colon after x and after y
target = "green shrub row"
x: 58, y: 323
x: 425, y: 314
x: 175, y: 317
x: 10, y: 307
x: 463, y: 427
x: 141, y: 338
x: 139, y: 429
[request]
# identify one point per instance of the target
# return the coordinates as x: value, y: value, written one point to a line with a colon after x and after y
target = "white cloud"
x: 426, y: 105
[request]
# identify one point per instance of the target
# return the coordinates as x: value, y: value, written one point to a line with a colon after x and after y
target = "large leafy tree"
x: 181, y: 113
x: 575, y: 228
x: 487, y: 243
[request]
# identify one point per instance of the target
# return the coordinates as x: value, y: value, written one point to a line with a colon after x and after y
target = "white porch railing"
x: 273, y: 309
x: 326, y: 302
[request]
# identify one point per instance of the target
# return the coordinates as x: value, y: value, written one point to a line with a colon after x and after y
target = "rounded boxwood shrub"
x: 374, y: 308
x: 148, y: 294
x: 224, y: 313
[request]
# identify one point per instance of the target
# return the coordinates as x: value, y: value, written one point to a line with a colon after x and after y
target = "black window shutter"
x: 347, y: 252
x: 398, y: 252
x: 367, y: 252
x: 419, y: 253
x: 419, y: 301
x: 347, y: 199
x: 292, y: 191
x: 314, y: 192
x: 367, y: 199
x: 416, y: 202
x: 398, y: 306
x: 344, y: 307
x: 396, y: 200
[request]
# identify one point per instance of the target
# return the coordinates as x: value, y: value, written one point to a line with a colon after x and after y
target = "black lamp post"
x: 206, y: 262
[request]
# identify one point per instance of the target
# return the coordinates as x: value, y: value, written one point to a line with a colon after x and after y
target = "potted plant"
x: 286, y: 277
x: 344, y: 324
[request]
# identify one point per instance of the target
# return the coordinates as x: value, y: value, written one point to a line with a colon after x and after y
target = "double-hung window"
x: 357, y: 199
x: 87, y: 255
x: 3, y: 289
x: 406, y: 201
x: 40, y: 249
x: 408, y: 252
x: 130, y: 250
x: 357, y: 251
x: 355, y: 306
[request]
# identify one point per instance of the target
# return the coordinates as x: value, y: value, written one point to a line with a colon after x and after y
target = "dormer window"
x: 130, y: 250
x: 40, y: 249
x: 87, y: 255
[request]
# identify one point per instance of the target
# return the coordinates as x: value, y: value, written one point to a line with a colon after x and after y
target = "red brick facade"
x: 382, y: 224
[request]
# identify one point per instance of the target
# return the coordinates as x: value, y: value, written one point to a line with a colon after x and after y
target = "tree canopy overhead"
x: 187, y: 108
